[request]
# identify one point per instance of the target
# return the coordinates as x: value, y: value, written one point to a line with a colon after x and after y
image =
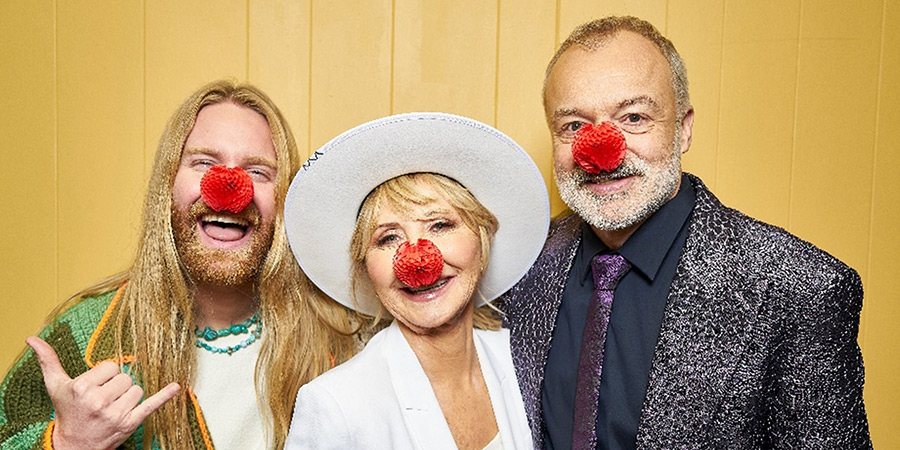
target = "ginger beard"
x: 222, y: 267
x: 655, y: 185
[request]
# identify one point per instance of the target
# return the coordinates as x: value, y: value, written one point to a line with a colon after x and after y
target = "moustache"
x: 628, y: 168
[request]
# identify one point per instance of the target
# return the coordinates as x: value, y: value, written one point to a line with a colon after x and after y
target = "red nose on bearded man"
x: 599, y: 149
x: 226, y: 189
x: 419, y: 264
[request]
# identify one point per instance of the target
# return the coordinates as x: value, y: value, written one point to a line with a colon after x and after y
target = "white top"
x: 226, y: 394
x: 495, y: 444
x: 382, y: 398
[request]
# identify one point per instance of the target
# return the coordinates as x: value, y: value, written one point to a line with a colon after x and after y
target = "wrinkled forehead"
x: 623, y: 66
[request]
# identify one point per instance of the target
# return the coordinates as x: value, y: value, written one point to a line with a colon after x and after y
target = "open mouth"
x: 224, y: 227
x: 424, y: 289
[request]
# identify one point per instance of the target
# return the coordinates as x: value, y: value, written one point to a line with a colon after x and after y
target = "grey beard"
x: 622, y: 210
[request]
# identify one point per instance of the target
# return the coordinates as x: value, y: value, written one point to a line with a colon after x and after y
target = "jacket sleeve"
x: 817, y: 381
x: 319, y: 422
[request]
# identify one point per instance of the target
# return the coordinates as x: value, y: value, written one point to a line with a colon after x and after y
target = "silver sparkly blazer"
x: 757, y: 347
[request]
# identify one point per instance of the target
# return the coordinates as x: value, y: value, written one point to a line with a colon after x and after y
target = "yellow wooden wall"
x: 797, y: 103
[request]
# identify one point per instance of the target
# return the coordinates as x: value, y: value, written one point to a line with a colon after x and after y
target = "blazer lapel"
x: 711, y: 307
x: 425, y: 422
x: 533, y: 305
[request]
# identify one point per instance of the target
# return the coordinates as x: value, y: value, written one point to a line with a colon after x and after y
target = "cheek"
x: 464, y: 253
x: 562, y: 156
x: 264, y: 198
x: 185, y: 190
x: 379, y: 267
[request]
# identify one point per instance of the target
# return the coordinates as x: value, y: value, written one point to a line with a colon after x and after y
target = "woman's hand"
x: 100, y: 408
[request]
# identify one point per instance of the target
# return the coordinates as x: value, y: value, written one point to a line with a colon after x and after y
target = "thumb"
x: 54, y: 374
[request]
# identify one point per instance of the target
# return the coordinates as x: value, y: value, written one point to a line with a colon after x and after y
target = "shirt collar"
x: 647, y: 247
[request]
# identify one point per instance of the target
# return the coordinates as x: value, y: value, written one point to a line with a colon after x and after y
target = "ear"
x: 687, y: 129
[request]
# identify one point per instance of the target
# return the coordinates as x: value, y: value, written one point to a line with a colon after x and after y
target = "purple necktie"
x: 608, y: 269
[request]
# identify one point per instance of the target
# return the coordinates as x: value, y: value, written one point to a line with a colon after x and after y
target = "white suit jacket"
x: 382, y: 399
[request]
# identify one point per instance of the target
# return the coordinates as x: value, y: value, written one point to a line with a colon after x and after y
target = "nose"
x: 419, y: 264
x: 599, y: 149
x: 226, y: 189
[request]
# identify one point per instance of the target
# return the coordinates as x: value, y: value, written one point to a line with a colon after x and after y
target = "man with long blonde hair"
x: 214, y: 320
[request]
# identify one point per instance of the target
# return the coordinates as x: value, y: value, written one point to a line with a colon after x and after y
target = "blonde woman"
x: 422, y: 218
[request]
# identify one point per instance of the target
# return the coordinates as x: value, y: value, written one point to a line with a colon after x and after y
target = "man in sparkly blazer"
x: 724, y: 332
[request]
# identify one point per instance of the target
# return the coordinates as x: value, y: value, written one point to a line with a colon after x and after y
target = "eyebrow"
x: 425, y: 217
x: 639, y: 100
x: 252, y: 160
x: 563, y: 112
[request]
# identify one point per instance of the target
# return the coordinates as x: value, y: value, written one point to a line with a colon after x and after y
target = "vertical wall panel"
x: 881, y: 307
x: 100, y: 138
x: 837, y: 83
x: 520, y: 78
x: 189, y: 43
x: 445, y: 58
x: 279, y: 59
x: 759, y: 83
x: 791, y: 107
x: 696, y: 30
x: 576, y: 12
x: 351, y: 67
x: 27, y: 175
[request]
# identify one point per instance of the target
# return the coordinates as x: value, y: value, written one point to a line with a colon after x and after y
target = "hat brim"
x: 325, y: 196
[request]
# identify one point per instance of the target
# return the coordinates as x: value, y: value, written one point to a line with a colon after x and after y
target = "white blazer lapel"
x: 424, y: 420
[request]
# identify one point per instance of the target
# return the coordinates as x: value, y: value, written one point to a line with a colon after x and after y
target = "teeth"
x: 437, y: 285
x: 228, y: 220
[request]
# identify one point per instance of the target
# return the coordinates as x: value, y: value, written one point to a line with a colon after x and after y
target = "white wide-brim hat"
x: 325, y: 196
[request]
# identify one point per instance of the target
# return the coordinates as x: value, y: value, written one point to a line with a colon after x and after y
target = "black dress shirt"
x: 638, y: 306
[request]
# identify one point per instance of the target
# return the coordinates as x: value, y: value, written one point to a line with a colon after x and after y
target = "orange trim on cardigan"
x: 48, y: 436
x: 89, y: 351
x: 201, y: 422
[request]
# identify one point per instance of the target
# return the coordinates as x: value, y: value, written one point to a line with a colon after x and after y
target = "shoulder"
x: 363, y: 378
x: 767, y: 254
x: 347, y: 406
x: 85, y: 313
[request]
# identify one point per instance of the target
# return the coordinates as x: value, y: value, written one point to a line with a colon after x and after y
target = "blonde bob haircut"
x: 404, y: 193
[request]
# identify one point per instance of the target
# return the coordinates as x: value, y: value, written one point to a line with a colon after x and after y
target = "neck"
x: 220, y: 306
x: 447, y: 355
x: 614, y: 239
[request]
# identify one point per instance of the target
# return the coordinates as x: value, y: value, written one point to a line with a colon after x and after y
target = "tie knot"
x: 608, y: 269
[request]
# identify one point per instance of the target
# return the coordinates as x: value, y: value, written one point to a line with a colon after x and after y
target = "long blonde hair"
x: 305, y: 331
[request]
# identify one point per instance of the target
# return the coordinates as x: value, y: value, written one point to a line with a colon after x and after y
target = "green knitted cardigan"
x: 82, y: 336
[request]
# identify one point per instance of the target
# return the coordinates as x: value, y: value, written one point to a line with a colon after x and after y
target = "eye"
x: 635, y: 123
x: 443, y: 225
x: 387, y: 240
x: 573, y: 127
x: 568, y: 130
x: 203, y: 164
x: 259, y: 174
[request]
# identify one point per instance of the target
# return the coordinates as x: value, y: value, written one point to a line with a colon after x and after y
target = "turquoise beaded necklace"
x: 209, y: 335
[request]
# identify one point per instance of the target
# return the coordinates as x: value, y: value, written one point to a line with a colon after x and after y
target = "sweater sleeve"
x: 25, y: 407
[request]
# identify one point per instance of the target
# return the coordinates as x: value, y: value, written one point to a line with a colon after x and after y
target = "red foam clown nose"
x: 419, y: 264
x: 226, y: 189
x: 599, y: 149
